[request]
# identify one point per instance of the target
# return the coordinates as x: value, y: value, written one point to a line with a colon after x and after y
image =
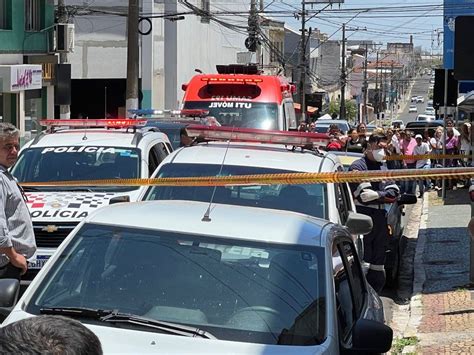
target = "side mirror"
x: 370, y: 336
x: 407, y: 199
x: 119, y: 199
x: 9, y: 289
x: 359, y: 223
x: 471, y: 193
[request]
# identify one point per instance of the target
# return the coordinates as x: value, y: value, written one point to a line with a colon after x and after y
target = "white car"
x: 412, y: 108
x: 429, y: 111
x: 425, y: 117
x: 420, y: 99
x: 170, y: 277
x: 398, y: 124
x: 333, y: 202
x: 81, y: 154
x: 414, y: 98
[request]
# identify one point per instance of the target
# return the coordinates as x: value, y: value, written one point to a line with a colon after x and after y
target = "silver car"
x: 184, y: 277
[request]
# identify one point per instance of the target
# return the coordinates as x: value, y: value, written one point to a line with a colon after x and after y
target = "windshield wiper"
x: 30, y: 188
x: 83, y: 312
x: 173, y: 328
x: 113, y: 316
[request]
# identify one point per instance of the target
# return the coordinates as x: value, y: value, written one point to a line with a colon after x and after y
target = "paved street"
x: 440, y: 316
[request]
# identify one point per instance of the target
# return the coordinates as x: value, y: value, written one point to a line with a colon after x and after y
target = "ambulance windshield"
x: 240, y: 113
x: 67, y: 163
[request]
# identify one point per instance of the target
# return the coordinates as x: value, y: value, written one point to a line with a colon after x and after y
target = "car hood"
x: 116, y: 340
x: 66, y: 206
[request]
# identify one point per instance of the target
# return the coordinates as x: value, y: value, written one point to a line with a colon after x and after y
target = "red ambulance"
x: 239, y: 96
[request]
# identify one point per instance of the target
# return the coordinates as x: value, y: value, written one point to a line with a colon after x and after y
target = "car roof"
x: 272, y: 156
x: 240, y: 222
x: 102, y: 137
x: 432, y: 123
x: 331, y: 121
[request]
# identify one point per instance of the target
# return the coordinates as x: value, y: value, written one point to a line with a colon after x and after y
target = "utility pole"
x: 302, y: 64
x: 377, y: 84
x: 64, y: 110
x: 132, y: 57
x: 342, y: 113
x: 365, y: 87
x: 259, y: 45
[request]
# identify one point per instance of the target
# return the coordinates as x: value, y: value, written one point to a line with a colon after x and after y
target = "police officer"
x: 370, y: 199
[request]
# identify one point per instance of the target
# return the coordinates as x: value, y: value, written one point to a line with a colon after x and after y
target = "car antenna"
x: 84, y: 138
x: 206, y: 217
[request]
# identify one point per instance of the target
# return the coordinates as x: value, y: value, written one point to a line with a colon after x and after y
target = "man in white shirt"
x: 422, y: 148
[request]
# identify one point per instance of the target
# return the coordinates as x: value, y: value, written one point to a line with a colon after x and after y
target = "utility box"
x: 64, y: 37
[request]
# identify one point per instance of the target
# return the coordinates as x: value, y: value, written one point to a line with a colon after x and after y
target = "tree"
x: 351, y: 109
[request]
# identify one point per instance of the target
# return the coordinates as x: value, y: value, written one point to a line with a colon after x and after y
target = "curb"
x: 416, y: 304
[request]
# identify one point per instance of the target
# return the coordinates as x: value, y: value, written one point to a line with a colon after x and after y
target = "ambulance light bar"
x: 170, y: 113
x: 231, y: 80
x: 216, y: 133
x: 110, y: 123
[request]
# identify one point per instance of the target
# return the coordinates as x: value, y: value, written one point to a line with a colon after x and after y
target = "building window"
x: 33, y: 15
x: 5, y: 14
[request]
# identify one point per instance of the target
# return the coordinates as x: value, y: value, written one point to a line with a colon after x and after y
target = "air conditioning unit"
x: 65, y: 37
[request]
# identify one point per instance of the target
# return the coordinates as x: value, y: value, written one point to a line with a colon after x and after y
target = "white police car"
x: 267, y: 155
x: 82, y: 154
x: 166, y: 277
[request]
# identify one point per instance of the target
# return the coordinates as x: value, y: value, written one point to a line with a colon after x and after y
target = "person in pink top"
x: 407, y: 145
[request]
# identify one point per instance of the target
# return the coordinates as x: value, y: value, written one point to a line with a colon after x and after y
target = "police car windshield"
x: 240, y: 113
x: 237, y: 290
x: 307, y: 199
x: 78, y: 163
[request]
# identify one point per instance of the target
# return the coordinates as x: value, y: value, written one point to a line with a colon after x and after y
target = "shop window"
x: 33, y: 15
x: 5, y: 14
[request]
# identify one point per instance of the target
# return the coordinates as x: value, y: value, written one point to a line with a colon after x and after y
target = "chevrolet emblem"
x: 50, y: 228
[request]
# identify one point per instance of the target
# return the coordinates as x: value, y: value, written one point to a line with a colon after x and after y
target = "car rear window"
x: 308, y: 199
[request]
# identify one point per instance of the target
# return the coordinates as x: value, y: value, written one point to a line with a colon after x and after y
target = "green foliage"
x: 400, y: 343
x: 351, y: 109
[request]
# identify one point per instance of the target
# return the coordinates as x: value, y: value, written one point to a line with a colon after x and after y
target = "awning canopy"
x: 309, y: 109
x: 466, y: 102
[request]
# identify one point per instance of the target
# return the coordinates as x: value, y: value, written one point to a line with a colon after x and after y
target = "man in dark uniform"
x: 370, y: 199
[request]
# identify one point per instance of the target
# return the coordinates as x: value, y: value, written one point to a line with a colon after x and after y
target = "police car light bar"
x: 170, y: 113
x: 111, y: 123
x: 217, y: 133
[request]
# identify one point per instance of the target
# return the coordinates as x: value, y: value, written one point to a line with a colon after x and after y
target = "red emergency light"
x: 231, y: 80
x: 219, y: 133
x: 110, y: 123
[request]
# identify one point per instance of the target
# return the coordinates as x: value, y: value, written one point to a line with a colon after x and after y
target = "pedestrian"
x: 362, y: 131
x: 354, y: 143
x: 17, y: 240
x: 436, y: 145
x: 407, y: 145
x: 451, y: 149
x: 422, y: 148
x: 464, y: 143
x: 337, y: 140
x: 302, y: 127
x: 370, y: 199
x: 45, y: 334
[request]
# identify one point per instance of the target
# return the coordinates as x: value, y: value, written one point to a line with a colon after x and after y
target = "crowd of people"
x: 407, y: 142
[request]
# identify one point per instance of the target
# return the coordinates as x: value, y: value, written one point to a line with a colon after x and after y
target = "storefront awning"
x: 309, y: 109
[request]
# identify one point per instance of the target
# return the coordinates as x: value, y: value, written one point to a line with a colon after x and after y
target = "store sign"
x: 21, y: 77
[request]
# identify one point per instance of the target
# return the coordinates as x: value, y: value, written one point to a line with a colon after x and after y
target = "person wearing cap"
x: 370, y: 199
x: 422, y: 148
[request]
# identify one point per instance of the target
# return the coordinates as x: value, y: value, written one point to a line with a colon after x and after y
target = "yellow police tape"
x: 427, y: 156
x: 276, y: 179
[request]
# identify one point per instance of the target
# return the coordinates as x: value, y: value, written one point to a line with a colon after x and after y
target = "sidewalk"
x: 442, y: 308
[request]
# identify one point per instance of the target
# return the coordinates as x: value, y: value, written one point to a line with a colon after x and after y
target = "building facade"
x: 27, y: 63
x: 172, y: 49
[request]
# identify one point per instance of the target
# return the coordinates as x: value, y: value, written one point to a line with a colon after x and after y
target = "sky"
x: 421, y: 18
